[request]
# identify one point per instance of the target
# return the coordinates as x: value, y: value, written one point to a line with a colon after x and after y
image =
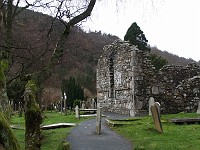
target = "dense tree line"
x: 72, y: 91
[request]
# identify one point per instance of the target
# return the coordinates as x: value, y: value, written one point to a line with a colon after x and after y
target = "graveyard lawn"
x: 141, y: 132
x: 51, y: 139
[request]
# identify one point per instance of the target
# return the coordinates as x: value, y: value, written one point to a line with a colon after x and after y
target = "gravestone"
x: 98, y: 120
x: 156, y: 119
x: 198, y: 109
x: 151, y: 103
x: 83, y: 105
x: 93, y: 104
x: 77, y: 112
x: 157, y: 104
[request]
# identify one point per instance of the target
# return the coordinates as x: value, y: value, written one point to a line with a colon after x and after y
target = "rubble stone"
x: 126, y: 80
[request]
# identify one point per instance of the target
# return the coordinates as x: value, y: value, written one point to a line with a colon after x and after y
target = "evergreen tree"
x: 136, y: 37
x: 73, y: 91
x: 157, y: 61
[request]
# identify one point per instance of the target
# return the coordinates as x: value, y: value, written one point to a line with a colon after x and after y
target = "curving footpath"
x: 83, y: 137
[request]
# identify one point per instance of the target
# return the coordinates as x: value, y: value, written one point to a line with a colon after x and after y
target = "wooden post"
x: 98, y: 121
x: 77, y: 112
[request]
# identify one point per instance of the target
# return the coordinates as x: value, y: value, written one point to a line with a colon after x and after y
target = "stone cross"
x: 98, y: 120
x: 151, y: 103
x: 77, y: 112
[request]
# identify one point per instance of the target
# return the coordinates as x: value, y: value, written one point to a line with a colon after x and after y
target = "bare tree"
x: 69, y: 12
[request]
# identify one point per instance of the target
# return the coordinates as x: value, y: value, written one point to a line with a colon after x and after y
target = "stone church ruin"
x: 126, y: 80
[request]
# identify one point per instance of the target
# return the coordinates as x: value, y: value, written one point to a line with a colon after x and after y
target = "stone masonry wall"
x: 126, y: 80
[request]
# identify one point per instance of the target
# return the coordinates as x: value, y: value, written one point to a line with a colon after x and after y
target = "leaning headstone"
x: 151, y: 103
x: 156, y: 118
x: 198, y: 110
x: 98, y: 120
x: 77, y: 112
x: 157, y: 104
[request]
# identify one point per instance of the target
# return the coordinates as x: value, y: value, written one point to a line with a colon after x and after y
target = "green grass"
x: 51, y: 139
x: 143, y: 135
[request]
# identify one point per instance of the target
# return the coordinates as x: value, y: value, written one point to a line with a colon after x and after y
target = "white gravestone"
x: 77, y: 112
x: 151, y: 103
x: 83, y: 105
x: 198, y: 110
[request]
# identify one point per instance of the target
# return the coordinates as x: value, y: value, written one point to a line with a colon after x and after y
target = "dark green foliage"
x: 7, y: 138
x: 73, y: 91
x: 157, y: 61
x: 15, y: 91
x: 136, y: 37
x: 77, y: 102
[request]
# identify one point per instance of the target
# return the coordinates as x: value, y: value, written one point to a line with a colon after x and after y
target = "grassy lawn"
x: 51, y: 139
x: 142, y: 134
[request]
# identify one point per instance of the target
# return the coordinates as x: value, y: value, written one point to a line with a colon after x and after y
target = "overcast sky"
x: 171, y: 25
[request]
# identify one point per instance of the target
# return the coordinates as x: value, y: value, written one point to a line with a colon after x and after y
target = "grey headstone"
x: 198, y: 110
x: 77, y: 112
x: 151, y: 103
x: 132, y: 113
x: 83, y: 105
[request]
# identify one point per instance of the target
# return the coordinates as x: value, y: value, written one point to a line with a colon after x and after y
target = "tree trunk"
x: 7, y: 138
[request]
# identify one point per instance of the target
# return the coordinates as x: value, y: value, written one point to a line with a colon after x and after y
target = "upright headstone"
x: 198, y: 109
x: 98, y: 120
x: 77, y: 112
x: 151, y: 103
x: 93, y: 104
x: 156, y: 119
x: 83, y: 105
x: 157, y: 104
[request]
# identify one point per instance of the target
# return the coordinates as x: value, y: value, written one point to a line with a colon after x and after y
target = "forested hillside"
x: 35, y: 36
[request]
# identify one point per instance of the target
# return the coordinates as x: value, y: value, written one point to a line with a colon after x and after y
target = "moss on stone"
x: 7, y: 138
x: 33, y: 118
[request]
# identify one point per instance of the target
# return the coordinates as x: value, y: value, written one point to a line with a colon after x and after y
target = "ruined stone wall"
x: 126, y: 80
x: 169, y: 80
x: 114, y: 78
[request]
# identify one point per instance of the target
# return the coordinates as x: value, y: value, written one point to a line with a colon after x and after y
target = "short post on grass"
x: 77, y: 112
x: 98, y: 120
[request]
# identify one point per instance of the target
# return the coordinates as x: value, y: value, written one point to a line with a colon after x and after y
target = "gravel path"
x: 83, y: 137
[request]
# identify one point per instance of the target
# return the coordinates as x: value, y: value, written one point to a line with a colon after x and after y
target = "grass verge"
x: 142, y: 134
x: 51, y: 139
